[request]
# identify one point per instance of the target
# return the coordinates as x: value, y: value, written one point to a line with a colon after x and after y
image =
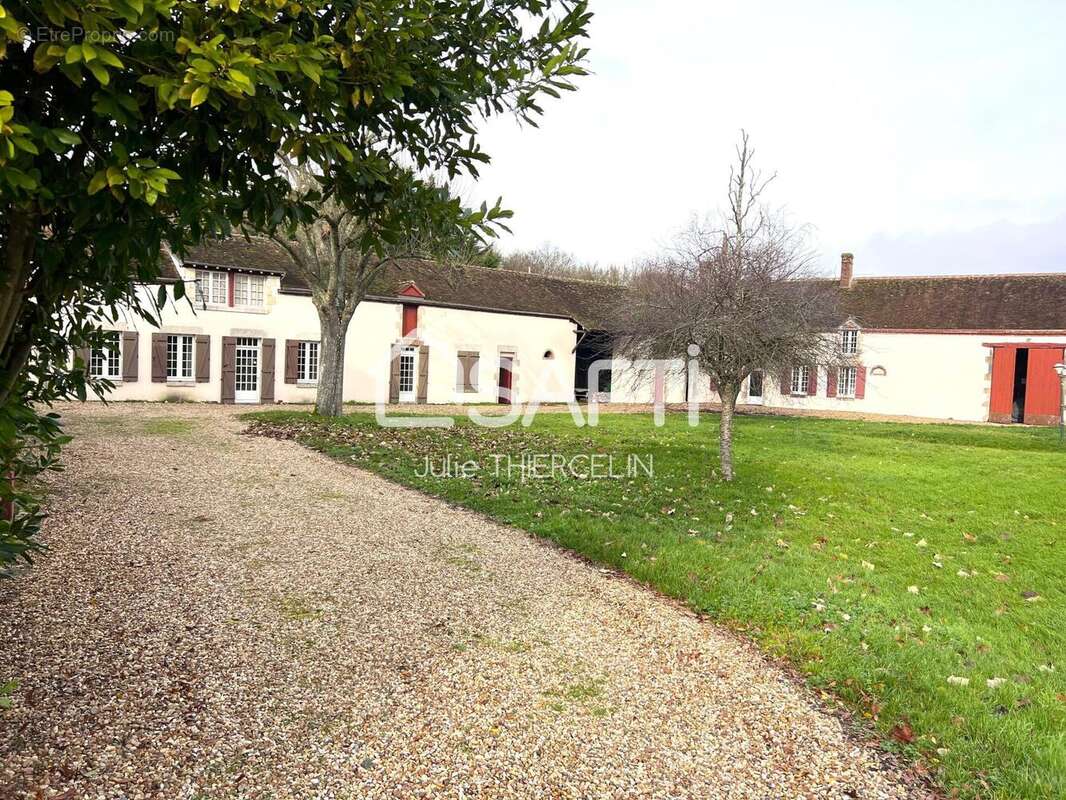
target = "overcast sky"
x: 927, y: 137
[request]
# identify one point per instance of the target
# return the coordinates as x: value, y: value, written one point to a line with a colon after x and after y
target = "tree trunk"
x: 725, y: 431
x: 330, y: 401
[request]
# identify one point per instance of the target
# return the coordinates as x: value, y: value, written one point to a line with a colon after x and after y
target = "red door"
x: 506, y: 380
x: 1002, y: 396
x: 1043, y: 388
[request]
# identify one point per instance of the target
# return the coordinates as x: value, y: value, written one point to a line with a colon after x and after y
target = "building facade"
x: 969, y: 348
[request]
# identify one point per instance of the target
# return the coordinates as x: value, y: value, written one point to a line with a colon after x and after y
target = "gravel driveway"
x: 228, y: 616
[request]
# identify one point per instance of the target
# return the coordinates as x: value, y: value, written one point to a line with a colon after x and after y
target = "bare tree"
x: 735, y: 295
x: 330, y: 253
x: 550, y: 260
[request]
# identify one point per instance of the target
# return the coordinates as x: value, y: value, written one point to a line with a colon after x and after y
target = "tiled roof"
x: 586, y: 302
x: 966, y: 302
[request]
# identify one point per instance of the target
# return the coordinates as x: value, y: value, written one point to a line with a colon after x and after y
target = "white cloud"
x: 886, y: 123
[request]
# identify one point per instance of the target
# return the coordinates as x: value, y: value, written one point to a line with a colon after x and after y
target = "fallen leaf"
x: 995, y: 683
x: 912, y: 589
x: 1030, y: 595
x: 903, y: 733
x: 957, y: 680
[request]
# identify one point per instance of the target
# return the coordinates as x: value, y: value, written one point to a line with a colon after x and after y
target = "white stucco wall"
x: 937, y: 375
x: 374, y: 329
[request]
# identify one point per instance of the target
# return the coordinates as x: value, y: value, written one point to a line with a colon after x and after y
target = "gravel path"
x: 228, y: 616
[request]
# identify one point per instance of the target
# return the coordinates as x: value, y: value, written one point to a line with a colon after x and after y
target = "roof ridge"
x: 538, y: 275
x: 960, y: 276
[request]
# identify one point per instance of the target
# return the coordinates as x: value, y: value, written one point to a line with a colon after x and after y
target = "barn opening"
x: 1021, y: 371
x: 1025, y: 387
x: 592, y: 346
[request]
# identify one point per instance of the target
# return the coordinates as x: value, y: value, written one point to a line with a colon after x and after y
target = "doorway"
x: 246, y: 371
x: 755, y: 388
x: 506, y: 379
x: 1021, y: 373
x: 407, y: 375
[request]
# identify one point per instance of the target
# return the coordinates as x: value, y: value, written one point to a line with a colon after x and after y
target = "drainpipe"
x: 1061, y: 370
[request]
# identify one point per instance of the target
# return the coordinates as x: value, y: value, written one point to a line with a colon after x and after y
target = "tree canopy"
x: 125, y: 124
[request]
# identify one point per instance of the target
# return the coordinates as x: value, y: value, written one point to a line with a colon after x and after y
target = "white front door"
x: 755, y: 388
x: 407, y: 375
x: 246, y: 378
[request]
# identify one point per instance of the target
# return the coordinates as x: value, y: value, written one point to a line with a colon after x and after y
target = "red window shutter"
x: 410, y: 319
x: 860, y: 382
x: 786, y: 381
x: 812, y: 381
x: 232, y: 290
x: 159, y: 358
x: 831, y: 374
x: 291, y: 351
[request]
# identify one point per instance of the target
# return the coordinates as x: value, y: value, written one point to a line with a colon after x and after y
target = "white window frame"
x: 847, y: 380
x: 849, y: 341
x: 249, y: 290
x: 182, y: 347
x: 801, y: 380
x: 307, y: 362
x: 212, y: 287
x: 107, y: 362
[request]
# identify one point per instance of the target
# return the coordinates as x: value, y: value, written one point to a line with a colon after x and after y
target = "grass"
x: 881, y: 559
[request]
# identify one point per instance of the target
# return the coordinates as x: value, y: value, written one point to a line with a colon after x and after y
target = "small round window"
x: 548, y: 354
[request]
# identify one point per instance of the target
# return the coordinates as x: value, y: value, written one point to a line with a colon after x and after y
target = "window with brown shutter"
x: 467, y: 377
x: 129, y: 356
x: 203, y: 358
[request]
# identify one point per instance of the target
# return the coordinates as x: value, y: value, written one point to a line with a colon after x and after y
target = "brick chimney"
x: 847, y: 270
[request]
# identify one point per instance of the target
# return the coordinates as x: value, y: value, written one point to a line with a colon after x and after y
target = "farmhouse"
x: 970, y: 348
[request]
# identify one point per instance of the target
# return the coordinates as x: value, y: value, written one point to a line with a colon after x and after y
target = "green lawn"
x: 881, y: 559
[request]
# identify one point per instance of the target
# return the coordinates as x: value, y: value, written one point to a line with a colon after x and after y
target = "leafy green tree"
x: 125, y: 124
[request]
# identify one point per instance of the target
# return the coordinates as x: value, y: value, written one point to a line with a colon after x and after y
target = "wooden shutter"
x: 466, y: 379
x: 812, y: 381
x: 831, y: 375
x: 860, y: 382
x: 473, y: 362
x: 423, y: 374
x: 129, y: 356
x: 266, y: 371
x: 229, y: 369
x: 394, y: 374
x: 410, y: 319
x: 786, y: 381
x: 292, y: 350
x: 159, y: 358
x: 203, y: 358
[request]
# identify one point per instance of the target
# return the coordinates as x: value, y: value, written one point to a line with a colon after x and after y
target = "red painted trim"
x: 410, y: 319
x: 232, y: 284
x: 410, y: 289
x: 1027, y: 345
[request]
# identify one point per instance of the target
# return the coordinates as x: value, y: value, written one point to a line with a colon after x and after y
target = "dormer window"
x: 849, y: 341
x: 212, y: 287
x: 248, y: 290
x: 219, y: 289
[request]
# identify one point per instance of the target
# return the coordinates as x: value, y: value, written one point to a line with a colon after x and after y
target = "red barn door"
x: 1043, y: 388
x: 1002, y: 397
